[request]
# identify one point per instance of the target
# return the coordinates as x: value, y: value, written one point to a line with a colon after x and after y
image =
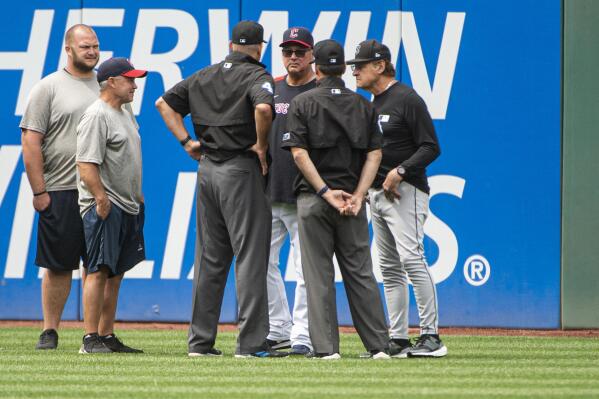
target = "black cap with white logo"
x: 328, y: 52
x: 297, y: 35
x: 371, y: 50
x: 248, y: 32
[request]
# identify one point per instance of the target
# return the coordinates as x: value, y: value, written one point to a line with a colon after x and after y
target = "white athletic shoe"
x: 380, y: 355
x: 323, y: 356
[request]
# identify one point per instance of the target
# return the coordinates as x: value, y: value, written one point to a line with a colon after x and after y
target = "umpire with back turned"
x: 336, y: 143
x: 231, y: 106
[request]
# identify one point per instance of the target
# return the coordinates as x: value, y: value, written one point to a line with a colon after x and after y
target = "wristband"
x: 185, y: 140
x: 40, y: 193
x: 323, y: 191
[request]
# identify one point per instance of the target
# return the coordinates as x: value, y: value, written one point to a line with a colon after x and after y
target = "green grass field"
x: 506, y: 367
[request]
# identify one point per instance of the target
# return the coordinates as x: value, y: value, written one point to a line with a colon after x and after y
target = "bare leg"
x: 56, y: 286
x: 93, y: 299
x: 111, y: 296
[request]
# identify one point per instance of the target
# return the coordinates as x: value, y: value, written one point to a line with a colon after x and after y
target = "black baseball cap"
x: 118, y: 66
x: 248, y: 32
x: 371, y: 50
x: 297, y: 35
x: 328, y: 52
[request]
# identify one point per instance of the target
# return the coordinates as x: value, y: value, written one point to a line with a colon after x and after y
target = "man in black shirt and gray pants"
x: 231, y: 106
x: 335, y: 141
x: 399, y: 199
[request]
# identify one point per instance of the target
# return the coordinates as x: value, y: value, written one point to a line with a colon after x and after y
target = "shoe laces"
x: 421, y: 340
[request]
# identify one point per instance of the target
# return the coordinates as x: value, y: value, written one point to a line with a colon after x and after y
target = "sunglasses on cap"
x: 300, y: 53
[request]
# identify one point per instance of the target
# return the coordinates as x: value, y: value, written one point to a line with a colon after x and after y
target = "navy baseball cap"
x: 328, y: 52
x: 370, y: 50
x: 248, y: 32
x: 297, y: 35
x: 118, y: 66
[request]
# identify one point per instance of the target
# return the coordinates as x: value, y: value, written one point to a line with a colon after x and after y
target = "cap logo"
x: 227, y: 65
x: 357, y: 49
x: 377, y: 55
x: 242, y: 40
x: 332, y: 60
x: 293, y: 33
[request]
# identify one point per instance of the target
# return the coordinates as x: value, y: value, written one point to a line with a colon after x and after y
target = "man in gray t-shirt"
x: 110, y: 196
x: 49, y: 140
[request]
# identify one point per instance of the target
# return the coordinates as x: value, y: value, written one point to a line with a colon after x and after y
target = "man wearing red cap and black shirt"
x: 110, y: 193
x: 284, y: 331
x: 231, y: 106
x: 335, y: 142
x: 399, y: 199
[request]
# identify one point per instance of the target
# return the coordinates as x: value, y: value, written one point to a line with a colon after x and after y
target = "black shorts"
x: 116, y: 242
x: 60, y: 239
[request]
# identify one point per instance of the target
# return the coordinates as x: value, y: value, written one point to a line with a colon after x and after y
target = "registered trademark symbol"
x: 477, y: 270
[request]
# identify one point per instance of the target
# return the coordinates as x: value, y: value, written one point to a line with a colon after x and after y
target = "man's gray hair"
x: 103, y: 85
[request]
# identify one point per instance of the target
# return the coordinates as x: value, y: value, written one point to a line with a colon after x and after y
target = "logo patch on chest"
x: 281, y: 108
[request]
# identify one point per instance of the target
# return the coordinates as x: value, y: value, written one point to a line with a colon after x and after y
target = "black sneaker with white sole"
x: 92, y: 343
x: 399, y: 348
x: 116, y: 345
x: 281, y: 344
x: 48, y: 340
x: 209, y: 353
x: 428, y: 345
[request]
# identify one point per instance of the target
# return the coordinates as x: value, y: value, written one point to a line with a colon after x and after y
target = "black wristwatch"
x: 185, y: 140
x: 401, y: 171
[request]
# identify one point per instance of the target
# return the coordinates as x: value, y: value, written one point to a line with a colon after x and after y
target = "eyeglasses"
x: 300, y: 53
x: 358, y: 67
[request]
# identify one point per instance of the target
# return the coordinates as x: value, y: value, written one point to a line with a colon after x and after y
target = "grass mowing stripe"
x: 499, y: 367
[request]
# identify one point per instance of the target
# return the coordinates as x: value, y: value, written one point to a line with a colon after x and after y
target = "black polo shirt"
x: 409, y: 137
x: 283, y: 170
x: 221, y: 99
x: 338, y: 128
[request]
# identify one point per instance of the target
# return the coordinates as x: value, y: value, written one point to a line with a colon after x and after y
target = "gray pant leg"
x: 212, y: 262
x: 246, y: 211
x: 352, y: 248
x: 405, y: 219
x: 395, y: 279
x: 316, y: 233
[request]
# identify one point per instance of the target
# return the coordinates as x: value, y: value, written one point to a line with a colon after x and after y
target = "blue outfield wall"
x: 488, y: 71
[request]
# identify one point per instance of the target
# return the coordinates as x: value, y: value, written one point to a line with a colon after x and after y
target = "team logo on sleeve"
x: 383, y: 119
x: 268, y: 87
x: 286, y: 136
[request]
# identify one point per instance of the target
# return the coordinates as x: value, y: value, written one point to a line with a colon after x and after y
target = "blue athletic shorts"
x: 116, y: 242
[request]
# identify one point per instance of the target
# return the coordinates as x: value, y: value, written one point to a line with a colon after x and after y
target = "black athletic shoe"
x: 93, y: 344
x: 282, y: 344
x: 114, y: 344
x: 299, y: 350
x: 48, y: 340
x: 428, y: 345
x: 399, y: 348
x: 262, y: 354
x: 209, y: 352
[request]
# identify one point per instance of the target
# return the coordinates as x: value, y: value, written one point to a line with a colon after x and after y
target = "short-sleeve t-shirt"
x: 109, y: 138
x: 282, y: 171
x: 55, y: 106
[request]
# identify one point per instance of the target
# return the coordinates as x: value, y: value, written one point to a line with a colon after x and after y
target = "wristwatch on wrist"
x: 185, y: 140
x: 401, y: 171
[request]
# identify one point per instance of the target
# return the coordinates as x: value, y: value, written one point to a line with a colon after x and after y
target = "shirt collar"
x: 237, y: 56
x: 330, y: 82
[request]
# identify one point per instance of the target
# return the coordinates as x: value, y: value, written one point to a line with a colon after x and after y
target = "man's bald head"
x: 76, y: 30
